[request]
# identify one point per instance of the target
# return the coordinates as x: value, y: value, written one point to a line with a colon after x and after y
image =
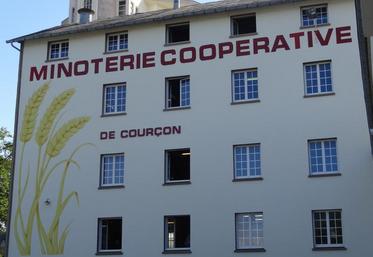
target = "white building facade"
x: 218, y: 129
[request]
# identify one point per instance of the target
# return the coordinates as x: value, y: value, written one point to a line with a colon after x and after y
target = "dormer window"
x: 122, y: 7
x: 87, y: 4
x: 58, y: 50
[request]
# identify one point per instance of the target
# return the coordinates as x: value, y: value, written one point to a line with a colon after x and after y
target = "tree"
x: 6, y: 147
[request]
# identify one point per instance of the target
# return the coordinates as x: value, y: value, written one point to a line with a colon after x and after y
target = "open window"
x: 176, y: 33
x: 177, y: 166
x: 109, y: 235
x: 177, y: 233
x: 243, y: 24
x: 177, y: 92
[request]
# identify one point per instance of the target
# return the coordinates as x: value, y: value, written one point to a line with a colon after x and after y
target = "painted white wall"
x: 282, y: 122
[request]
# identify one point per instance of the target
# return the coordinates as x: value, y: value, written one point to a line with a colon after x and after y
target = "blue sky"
x: 20, y: 17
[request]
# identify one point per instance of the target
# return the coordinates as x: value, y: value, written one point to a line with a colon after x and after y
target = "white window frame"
x: 121, y: 11
x: 117, y: 35
x: 250, y: 215
x: 318, y: 78
x: 59, y: 44
x: 324, y: 171
x: 104, y: 98
x: 329, y: 244
x: 248, y: 162
x: 168, y: 100
x: 113, y: 184
x: 246, y: 99
x: 99, y: 235
x: 314, y: 19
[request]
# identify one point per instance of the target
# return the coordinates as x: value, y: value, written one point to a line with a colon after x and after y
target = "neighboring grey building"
x: 230, y: 128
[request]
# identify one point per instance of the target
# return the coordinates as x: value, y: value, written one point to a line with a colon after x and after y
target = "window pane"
x: 185, y: 94
x: 312, y: 16
x: 113, y: 169
x: 247, y: 161
x: 249, y: 230
x: 115, y: 99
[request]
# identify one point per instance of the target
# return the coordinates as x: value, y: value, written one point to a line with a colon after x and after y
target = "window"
x: 318, y: 78
x: 245, y: 85
x: 327, y: 228
x: 112, y: 170
x: 177, y: 233
x: 323, y: 156
x: 114, y: 99
x: 87, y: 4
x: 58, y: 50
x: 314, y: 16
x: 243, y: 24
x: 176, y: 33
x: 177, y: 92
x: 249, y: 231
x: 117, y: 42
x: 109, y: 235
x: 177, y: 166
x: 247, y: 161
x: 122, y: 7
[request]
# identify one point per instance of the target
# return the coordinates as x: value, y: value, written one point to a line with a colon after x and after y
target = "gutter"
x: 365, y: 70
x: 15, y: 136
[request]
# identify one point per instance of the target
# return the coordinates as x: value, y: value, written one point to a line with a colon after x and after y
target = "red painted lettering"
x: 34, y: 73
x: 242, y: 47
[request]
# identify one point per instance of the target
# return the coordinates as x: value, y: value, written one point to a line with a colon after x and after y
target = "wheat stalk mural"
x: 50, y: 141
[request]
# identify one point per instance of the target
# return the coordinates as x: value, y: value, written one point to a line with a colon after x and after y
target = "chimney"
x: 86, y: 15
x: 177, y: 4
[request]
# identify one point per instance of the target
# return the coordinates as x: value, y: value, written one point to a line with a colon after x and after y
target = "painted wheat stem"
x: 63, y: 135
x: 50, y: 115
x: 31, y: 112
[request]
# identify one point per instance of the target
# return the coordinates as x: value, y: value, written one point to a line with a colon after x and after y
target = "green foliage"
x: 6, y: 146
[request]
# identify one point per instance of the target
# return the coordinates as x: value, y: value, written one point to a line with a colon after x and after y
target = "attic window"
x: 177, y: 165
x: 176, y: 33
x: 243, y: 24
x: 122, y: 7
x: 58, y: 50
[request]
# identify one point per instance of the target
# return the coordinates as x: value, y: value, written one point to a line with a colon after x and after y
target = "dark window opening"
x: 244, y: 24
x: 178, y: 33
x: 110, y: 234
x: 178, y: 165
x: 173, y: 93
x: 177, y: 232
x: 178, y: 92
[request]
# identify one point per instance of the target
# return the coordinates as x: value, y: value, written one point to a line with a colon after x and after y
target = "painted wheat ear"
x: 50, y: 115
x: 31, y: 112
x: 63, y: 135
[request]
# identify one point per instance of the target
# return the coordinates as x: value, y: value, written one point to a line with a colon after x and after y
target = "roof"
x: 154, y: 16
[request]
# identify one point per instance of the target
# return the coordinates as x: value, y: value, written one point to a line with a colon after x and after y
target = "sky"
x: 21, y: 17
